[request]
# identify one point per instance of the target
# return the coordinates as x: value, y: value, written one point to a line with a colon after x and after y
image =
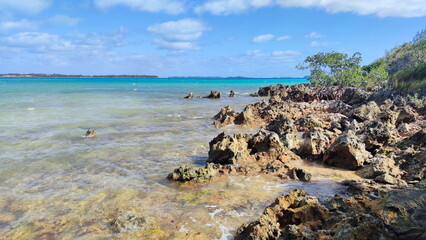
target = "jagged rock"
x: 380, y: 165
x: 404, y: 211
x: 418, y: 139
x: 347, y: 152
x: 292, y: 209
x: 310, y: 121
x: 375, y: 135
x: 249, y: 115
x: 90, y: 133
x: 266, y: 143
x: 286, y: 130
x: 226, y: 116
x: 414, y: 166
x: 231, y: 94
x: 388, y: 117
x: 406, y: 115
x: 229, y: 149
x: 186, y: 174
x: 300, y: 174
x: 315, y: 143
x: 403, y: 129
x: 129, y: 221
x: 354, y: 96
x: 365, y: 112
x: 190, y: 96
x: 213, y: 94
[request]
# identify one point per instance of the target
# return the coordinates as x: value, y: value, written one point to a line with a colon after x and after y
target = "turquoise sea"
x: 56, y: 184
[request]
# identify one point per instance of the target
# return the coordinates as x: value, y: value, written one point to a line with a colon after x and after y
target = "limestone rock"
x: 231, y: 94
x: 186, y: 174
x: 406, y: 115
x: 226, y: 116
x: 190, y: 95
x: 286, y: 130
x: 213, y: 94
x: 90, y: 133
x: 228, y: 149
x: 346, y: 152
x: 366, y: 112
x: 315, y: 143
x: 375, y: 135
x: 300, y: 174
x: 354, y: 96
x: 129, y: 221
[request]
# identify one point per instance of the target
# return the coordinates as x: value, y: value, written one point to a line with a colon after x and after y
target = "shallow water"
x: 56, y: 184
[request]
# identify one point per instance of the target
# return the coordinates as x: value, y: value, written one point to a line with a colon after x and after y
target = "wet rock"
x: 231, y: 93
x: 300, y: 174
x: 190, y: 96
x: 194, y: 174
x: 366, y: 112
x: 286, y: 130
x: 292, y: 209
x: 129, y: 221
x: 354, y: 96
x: 229, y: 149
x: 348, y: 151
x: 315, y: 143
x: 213, y: 95
x: 375, y: 135
x: 406, y: 115
x: 226, y: 116
x: 404, y: 211
x: 90, y: 133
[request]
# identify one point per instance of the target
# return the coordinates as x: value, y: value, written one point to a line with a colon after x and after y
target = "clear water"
x: 56, y: 184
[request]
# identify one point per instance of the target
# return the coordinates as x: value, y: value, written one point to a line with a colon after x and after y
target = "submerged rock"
x: 129, y: 221
x: 194, y: 174
x: 190, y: 96
x: 90, y: 133
x: 348, y: 151
x: 213, y: 94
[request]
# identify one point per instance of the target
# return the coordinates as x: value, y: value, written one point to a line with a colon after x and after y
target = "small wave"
x: 30, y: 109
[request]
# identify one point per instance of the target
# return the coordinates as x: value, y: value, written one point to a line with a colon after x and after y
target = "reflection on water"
x: 56, y: 184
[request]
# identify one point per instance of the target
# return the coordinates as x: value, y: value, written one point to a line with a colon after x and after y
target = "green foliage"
x: 376, y: 73
x: 407, y: 64
x: 330, y: 68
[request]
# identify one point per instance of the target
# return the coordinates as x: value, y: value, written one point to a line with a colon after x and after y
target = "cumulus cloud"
x: 381, y: 8
x: 179, y: 35
x: 263, y: 38
x: 314, y: 35
x: 168, y: 6
x: 18, y: 25
x: 323, y: 44
x: 286, y: 56
x: 225, y: 7
x: 283, y: 38
x: 24, y: 6
x: 64, y: 20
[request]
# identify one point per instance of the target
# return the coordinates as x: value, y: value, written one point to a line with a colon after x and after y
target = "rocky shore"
x: 378, y: 133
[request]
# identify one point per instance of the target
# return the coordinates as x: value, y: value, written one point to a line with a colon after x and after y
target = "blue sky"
x: 253, y: 38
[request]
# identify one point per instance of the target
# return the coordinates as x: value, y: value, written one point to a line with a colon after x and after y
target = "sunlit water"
x: 56, y: 184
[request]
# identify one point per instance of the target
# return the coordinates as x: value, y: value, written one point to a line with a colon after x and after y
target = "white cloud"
x: 381, y: 8
x: 314, y: 35
x: 24, y: 6
x: 168, y: 6
x: 255, y: 53
x: 225, y: 7
x: 323, y: 44
x: 263, y: 38
x: 283, y: 38
x: 288, y: 55
x: 179, y: 35
x: 64, y: 20
x: 15, y: 25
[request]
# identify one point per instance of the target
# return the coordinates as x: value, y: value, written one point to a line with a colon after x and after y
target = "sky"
x: 251, y: 38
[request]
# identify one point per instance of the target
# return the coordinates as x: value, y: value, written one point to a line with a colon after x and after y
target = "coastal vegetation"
x: 402, y: 68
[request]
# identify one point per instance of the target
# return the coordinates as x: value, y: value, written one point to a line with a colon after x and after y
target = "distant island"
x: 55, y: 75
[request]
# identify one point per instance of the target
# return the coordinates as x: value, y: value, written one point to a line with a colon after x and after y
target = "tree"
x: 330, y: 68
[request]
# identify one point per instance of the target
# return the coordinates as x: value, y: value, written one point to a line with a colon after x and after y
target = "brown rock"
x: 90, y: 133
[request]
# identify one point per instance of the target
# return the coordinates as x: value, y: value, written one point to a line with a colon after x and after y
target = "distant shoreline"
x: 43, y: 75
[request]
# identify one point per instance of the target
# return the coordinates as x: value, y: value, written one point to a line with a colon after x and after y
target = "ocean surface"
x: 57, y: 184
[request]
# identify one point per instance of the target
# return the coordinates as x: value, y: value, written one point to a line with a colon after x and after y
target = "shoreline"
x: 363, y: 131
